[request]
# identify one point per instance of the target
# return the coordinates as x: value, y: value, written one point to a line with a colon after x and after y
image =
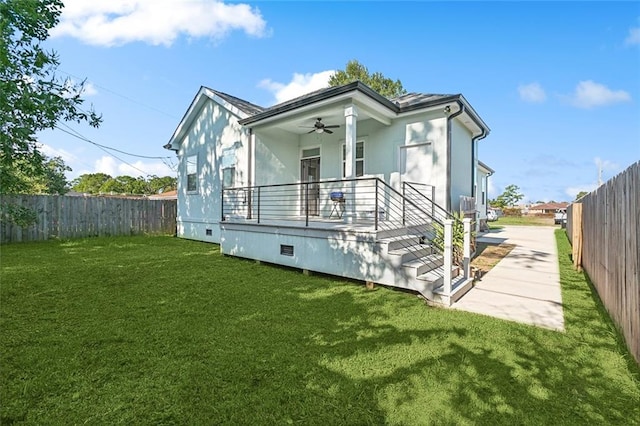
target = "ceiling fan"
x: 320, y: 127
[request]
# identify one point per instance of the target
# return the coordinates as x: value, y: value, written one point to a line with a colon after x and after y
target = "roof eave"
x: 204, y: 94
x: 325, y: 95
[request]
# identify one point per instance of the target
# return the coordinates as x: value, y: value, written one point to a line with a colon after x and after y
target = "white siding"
x: 214, y: 130
x: 461, y: 167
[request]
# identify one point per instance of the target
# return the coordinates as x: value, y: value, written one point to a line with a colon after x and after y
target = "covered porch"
x: 362, y: 229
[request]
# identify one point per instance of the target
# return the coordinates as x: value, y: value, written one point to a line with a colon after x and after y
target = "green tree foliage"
x: 355, y: 71
x: 101, y: 183
x: 89, y: 183
x: 510, y: 197
x: 48, y: 178
x: 32, y: 98
x: 159, y: 185
x: 581, y: 194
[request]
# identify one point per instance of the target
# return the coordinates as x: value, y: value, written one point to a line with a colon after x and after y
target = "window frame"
x: 189, y: 162
x: 358, y: 159
x: 232, y: 171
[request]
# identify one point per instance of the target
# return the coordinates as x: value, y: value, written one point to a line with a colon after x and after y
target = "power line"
x: 81, y: 137
x: 123, y: 96
x: 105, y: 150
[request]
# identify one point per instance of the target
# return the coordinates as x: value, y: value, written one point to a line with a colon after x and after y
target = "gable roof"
x: 244, y: 106
x: 550, y: 206
x: 249, y: 113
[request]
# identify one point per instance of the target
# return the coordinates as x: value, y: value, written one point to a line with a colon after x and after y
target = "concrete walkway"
x: 525, y: 285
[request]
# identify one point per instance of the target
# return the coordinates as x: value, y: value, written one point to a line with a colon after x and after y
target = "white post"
x: 448, y: 254
x: 466, y: 261
x: 350, y: 115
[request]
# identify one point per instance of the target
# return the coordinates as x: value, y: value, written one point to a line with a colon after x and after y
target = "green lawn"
x: 157, y: 330
x: 522, y: 220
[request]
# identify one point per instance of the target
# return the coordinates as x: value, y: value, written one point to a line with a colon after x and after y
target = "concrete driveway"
x: 525, y: 285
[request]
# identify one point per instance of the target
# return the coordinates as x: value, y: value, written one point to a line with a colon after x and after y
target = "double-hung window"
x: 192, y: 173
x: 359, y: 159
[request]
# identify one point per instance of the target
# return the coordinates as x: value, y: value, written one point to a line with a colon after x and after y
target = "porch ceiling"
x: 301, y: 120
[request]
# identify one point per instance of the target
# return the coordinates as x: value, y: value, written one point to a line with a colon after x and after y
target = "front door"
x: 310, y: 194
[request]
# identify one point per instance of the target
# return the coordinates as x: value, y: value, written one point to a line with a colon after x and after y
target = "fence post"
x: 448, y: 255
x: 576, y: 235
x: 466, y: 261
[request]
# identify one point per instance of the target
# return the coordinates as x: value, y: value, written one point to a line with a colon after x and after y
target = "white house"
x: 341, y: 181
x: 482, y: 189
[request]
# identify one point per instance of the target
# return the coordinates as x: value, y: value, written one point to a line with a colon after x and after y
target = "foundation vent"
x: 286, y: 250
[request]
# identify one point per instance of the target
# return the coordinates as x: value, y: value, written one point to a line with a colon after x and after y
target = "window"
x: 359, y: 159
x: 192, y: 173
x: 311, y: 153
x: 228, y: 177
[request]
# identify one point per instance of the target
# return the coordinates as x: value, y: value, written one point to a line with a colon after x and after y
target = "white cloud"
x: 492, y: 191
x: 88, y: 89
x: 117, y: 22
x: 299, y: 85
x: 589, y: 94
x: 50, y: 152
x: 112, y: 167
x: 73, y: 88
x: 633, y: 38
x: 532, y: 92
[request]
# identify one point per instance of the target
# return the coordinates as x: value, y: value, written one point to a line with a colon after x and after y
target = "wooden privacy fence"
x: 59, y: 216
x: 604, y: 229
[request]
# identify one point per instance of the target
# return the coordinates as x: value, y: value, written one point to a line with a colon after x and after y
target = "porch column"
x: 448, y: 253
x: 466, y: 256
x: 350, y: 115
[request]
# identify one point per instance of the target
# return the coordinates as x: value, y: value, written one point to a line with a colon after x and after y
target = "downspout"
x: 449, y: 118
x: 474, y: 171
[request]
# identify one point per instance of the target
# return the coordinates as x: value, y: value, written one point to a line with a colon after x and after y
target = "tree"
x: 355, y: 71
x: 96, y: 183
x: 50, y: 180
x: 162, y: 184
x: 89, y: 183
x: 510, y: 197
x: 32, y: 98
x: 580, y: 195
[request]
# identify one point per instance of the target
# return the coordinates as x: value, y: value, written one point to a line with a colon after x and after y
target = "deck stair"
x: 421, y: 267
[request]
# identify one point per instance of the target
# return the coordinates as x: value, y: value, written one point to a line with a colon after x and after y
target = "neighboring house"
x: 548, y: 208
x: 482, y: 201
x: 341, y: 181
x: 167, y: 195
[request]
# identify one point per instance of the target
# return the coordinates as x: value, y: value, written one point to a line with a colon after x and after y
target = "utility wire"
x: 79, y: 136
x: 105, y: 150
x: 122, y: 96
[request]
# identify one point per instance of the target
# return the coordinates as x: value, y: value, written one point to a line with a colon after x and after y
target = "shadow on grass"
x: 170, y: 332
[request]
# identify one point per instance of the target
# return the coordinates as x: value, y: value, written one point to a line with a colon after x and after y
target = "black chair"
x: 338, y: 204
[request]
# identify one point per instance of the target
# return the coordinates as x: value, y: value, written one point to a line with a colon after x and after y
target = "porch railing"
x: 363, y: 200
x: 367, y: 201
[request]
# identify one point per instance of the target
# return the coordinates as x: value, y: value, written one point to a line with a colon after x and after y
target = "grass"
x: 166, y: 331
x: 522, y: 220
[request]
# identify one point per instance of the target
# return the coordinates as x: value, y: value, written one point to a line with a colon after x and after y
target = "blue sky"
x: 557, y: 82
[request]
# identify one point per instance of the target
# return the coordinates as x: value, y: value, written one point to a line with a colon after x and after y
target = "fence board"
x: 79, y: 217
x: 610, y: 249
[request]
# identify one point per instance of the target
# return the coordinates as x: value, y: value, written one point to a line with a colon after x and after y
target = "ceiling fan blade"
x: 327, y: 130
x: 311, y: 131
x: 333, y: 126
